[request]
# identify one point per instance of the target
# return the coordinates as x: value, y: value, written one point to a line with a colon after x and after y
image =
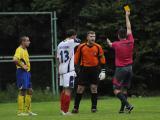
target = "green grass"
x: 145, y: 109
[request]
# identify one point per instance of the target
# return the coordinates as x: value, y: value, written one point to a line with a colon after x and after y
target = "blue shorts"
x: 23, y: 79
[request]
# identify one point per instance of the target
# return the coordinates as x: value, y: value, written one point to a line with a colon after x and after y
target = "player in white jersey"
x: 65, y: 55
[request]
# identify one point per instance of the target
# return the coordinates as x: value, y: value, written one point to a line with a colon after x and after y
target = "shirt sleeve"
x: 102, y: 57
x: 77, y: 55
x: 130, y: 37
x: 76, y: 42
x: 17, y: 54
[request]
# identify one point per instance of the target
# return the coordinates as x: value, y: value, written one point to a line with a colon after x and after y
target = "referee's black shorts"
x: 88, y: 76
x: 122, y: 77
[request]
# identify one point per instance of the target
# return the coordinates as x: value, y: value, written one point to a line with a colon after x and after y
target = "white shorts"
x: 67, y: 80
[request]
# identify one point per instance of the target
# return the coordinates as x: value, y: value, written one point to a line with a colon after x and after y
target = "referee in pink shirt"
x: 123, y: 61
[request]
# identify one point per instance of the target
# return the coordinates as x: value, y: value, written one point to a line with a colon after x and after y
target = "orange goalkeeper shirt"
x: 89, y: 56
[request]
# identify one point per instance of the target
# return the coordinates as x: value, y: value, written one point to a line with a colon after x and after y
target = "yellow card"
x: 126, y: 8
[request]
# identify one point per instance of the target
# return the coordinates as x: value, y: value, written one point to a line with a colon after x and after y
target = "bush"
x: 10, y: 95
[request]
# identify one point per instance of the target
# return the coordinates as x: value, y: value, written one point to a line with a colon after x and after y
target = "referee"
x: 124, y: 59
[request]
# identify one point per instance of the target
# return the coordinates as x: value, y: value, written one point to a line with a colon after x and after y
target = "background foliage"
x: 102, y: 16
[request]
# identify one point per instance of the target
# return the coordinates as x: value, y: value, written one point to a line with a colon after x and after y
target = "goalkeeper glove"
x: 102, y: 75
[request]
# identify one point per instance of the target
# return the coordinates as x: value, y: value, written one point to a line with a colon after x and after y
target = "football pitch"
x: 147, y: 108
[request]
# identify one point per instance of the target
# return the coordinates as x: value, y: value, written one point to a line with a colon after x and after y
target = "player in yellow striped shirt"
x: 21, y: 59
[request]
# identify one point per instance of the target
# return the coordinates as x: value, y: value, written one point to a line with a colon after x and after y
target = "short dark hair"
x: 90, y: 32
x: 22, y: 38
x: 71, y: 32
x: 122, y: 33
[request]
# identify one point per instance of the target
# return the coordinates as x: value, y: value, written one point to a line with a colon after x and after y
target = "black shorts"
x: 88, y: 76
x: 122, y: 77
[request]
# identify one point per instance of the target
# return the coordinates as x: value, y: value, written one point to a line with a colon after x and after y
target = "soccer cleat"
x: 129, y: 108
x: 62, y: 113
x: 67, y: 113
x: 93, y: 110
x: 75, y: 111
x: 31, y: 114
x: 22, y: 114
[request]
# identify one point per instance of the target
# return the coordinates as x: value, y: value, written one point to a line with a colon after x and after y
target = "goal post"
x: 41, y: 58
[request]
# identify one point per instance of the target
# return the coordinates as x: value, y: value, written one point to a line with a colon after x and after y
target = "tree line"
x: 102, y: 16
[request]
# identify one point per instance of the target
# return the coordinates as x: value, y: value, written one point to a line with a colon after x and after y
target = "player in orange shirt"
x: 90, y: 57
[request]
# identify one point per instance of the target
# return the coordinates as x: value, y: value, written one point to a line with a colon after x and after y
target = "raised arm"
x: 128, y: 24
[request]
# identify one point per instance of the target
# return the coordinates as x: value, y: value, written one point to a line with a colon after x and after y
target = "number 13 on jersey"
x: 64, y: 56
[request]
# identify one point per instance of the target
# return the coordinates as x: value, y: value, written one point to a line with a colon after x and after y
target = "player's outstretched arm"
x: 128, y: 24
x: 109, y: 42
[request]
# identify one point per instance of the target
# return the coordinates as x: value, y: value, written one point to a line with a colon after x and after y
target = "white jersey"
x: 65, y: 55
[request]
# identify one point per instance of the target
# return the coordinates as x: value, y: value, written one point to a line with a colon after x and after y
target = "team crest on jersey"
x: 95, y: 53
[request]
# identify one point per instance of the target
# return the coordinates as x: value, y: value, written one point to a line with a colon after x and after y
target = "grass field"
x: 145, y: 109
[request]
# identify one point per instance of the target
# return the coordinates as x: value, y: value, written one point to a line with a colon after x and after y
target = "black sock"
x: 122, y: 106
x: 122, y: 103
x: 94, y: 100
x: 77, y: 101
x: 123, y: 99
